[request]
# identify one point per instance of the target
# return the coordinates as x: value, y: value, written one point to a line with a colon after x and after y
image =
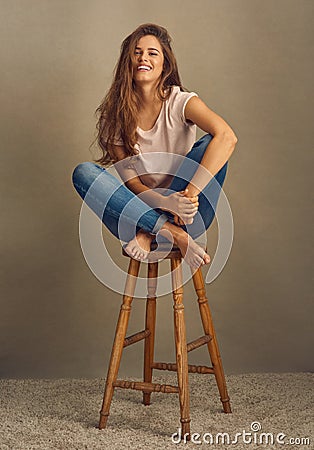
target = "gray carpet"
x: 63, y: 414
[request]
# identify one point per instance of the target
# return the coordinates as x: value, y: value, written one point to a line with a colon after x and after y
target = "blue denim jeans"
x: 123, y: 213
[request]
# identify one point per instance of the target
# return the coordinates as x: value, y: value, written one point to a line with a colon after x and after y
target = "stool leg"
x: 181, y: 347
x: 212, y: 344
x: 150, y: 322
x: 117, y: 348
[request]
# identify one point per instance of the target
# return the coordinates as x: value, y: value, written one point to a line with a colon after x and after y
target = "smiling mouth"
x: 144, y: 68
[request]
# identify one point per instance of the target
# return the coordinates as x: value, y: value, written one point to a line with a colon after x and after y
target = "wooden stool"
x: 182, y: 348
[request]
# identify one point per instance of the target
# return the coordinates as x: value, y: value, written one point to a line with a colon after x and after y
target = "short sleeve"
x: 179, y: 100
x: 191, y: 94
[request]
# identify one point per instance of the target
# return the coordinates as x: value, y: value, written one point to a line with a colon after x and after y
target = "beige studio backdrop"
x: 250, y: 61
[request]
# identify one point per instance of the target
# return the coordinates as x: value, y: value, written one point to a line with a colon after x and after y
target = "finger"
x: 182, y: 199
x: 178, y: 220
x: 187, y: 195
x: 188, y: 214
x: 192, y: 199
x: 185, y: 203
x: 189, y: 199
x: 188, y: 219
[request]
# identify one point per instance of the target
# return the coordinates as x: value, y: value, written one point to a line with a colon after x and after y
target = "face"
x: 149, y: 60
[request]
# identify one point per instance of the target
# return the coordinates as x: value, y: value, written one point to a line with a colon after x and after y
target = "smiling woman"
x: 148, y: 58
x: 147, y: 67
x: 146, y: 122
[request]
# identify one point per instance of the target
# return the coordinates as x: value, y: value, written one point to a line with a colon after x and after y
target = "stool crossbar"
x: 181, y: 365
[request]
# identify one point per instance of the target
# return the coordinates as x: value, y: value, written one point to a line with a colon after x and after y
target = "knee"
x: 205, y: 140
x: 84, y: 172
x: 221, y: 175
x: 199, y: 147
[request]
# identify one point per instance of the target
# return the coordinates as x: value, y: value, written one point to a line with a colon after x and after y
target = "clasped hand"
x: 182, y: 207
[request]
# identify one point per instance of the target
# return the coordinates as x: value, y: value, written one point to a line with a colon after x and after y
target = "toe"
x: 206, y: 259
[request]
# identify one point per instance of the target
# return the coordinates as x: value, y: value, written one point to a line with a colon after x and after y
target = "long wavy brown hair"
x: 118, y: 112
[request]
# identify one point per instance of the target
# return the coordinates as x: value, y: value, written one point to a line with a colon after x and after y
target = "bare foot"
x: 139, y: 247
x: 194, y: 255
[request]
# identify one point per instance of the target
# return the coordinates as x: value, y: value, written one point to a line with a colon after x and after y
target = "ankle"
x: 178, y: 235
x: 145, y: 233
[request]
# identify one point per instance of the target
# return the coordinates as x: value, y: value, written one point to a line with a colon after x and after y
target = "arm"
x: 133, y: 182
x: 219, y: 149
x: 176, y: 203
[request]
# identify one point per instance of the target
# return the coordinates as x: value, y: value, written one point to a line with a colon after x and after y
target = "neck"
x: 148, y: 94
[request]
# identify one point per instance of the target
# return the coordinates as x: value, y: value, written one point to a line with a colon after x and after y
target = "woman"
x: 147, y: 128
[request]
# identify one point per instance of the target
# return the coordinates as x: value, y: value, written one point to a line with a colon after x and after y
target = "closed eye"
x: 150, y: 53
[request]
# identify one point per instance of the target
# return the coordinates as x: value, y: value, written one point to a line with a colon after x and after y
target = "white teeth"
x: 144, y: 67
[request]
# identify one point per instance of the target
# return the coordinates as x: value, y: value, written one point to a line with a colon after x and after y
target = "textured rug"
x: 63, y: 414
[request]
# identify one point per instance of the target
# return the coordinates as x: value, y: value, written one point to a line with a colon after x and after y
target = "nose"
x: 143, y: 57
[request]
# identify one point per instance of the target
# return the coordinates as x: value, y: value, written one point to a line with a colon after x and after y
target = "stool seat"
x: 160, y: 252
x: 181, y: 365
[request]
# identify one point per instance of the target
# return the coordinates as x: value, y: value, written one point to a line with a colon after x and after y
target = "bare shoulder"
x: 205, y: 118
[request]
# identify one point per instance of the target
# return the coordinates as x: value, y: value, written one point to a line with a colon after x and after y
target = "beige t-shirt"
x: 171, y: 135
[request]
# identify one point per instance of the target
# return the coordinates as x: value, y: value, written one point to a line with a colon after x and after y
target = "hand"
x: 181, y: 206
x: 177, y: 220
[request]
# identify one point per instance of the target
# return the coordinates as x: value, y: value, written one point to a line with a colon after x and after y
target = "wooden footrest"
x: 173, y: 367
x: 136, y: 337
x: 198, y: 342
x: 146, y: 387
